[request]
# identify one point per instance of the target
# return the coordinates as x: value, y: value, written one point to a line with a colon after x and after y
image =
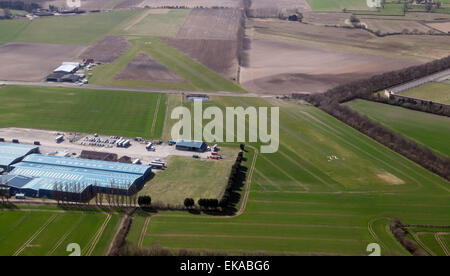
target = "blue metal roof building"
x: 77, y: 175
x: 191, y: 145
x: 13, y: 153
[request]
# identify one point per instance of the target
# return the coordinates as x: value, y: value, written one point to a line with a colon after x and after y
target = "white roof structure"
x: 68, y: 67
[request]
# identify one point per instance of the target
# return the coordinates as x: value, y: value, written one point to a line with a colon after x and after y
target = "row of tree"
x: 77, y: 193
x: 19, y: 5
x: 331, y: 100
x: 4, y: 193
x: 414, y: 104
x: 400, y: 233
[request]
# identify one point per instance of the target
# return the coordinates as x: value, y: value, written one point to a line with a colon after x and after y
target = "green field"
x: 187, y: 177
x: 122, y: 113
x: 47, y: 233
x: 426, y: 129
x: 337, y: 5
x: 328, y: 190
x: 198, y: 76
x: 80, y: 30
x: 434, y: 241
x: 436, y: 91
x: 159, y: 24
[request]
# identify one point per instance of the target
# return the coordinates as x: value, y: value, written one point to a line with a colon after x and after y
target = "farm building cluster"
x: 37, y: 175
x: 69, y: 72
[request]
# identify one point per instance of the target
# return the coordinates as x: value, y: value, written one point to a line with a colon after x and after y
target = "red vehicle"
x: 213, y: 153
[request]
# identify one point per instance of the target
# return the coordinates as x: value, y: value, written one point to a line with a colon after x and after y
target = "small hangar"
x: 189, y: 145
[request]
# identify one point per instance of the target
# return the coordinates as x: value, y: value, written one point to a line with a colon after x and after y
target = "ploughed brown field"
x: 286, y: 57
x: 145, y: 68
x: 34, y: 61
x: 107, y: 50
x: 212, y: 24
x: 218, y: 55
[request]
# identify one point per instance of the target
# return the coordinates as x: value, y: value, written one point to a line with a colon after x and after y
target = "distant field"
x: 48, y: 233
x: 10, y: 29
x: 328, y: 190
x: 122, y: 113
x: 198, y: 76
x: 337, y: 5
x: 161, y: 23
x: 188, y: 177
x: 80, y: 29
x: 437, y: 92
x: 427, y: 129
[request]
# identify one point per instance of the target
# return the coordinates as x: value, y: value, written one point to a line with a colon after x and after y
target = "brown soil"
x: 278, y: 67
x: 211, y: 24
x: 34, y: 61
x: 144, y: 68
x: 206, y: 52
x: 107, y: 50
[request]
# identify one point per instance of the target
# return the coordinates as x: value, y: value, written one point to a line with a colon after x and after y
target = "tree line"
x: 19, y: 5
x: 414, y: 104
x: 400, y: 233
x: 331, y: 100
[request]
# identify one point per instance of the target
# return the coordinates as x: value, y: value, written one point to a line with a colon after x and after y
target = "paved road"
x: 144, y: 90
x: 419, y: 82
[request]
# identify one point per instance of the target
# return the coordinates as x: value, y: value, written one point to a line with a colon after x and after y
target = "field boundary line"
x: 63, y: 238
x: 287, y: 174
x: 441, y: 243
x: 137, y: 20
x: 272, y: 184
x: 98, y: 235
x: 34, y: 236
x: 144, y: 231
x: 257, y: 237
x: 155, y: 116
x: 424, y: 246
x: 248, y: 183
x: 374, y: 235
x: 108, y: 252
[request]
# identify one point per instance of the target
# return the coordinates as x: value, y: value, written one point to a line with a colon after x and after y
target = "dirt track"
x: 34, y: 61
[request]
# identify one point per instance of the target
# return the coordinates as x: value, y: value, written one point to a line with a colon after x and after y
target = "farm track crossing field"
x: 433, y: 240
x: 47, y: 233
x: 438, y: 92
x: 328, y: 190
x: 426, y: 129
x: 128, y: 114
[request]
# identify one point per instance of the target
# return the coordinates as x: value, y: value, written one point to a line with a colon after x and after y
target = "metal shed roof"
x: 190, y: 143
x: 48, y: 170
x: 10, y: 153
